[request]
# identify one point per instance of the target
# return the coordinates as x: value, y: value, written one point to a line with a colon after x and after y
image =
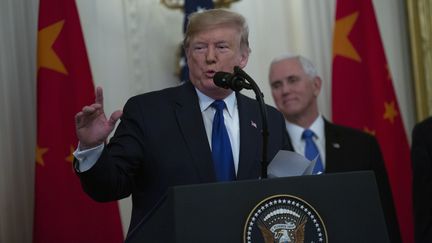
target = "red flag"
x: 364, y: 98
x: 63, y: 212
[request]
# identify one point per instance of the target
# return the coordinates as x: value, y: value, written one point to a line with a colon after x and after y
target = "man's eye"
x: 222, y: 47
x: 276, y: 85
x: 199, y: 48
x: 292, y: 79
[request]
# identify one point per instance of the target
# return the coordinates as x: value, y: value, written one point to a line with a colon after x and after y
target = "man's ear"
x: 244, y: 57
x: 317, y: 83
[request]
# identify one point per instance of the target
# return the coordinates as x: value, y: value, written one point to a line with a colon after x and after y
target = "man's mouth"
x: 210, y: 73
x: 289, y: 100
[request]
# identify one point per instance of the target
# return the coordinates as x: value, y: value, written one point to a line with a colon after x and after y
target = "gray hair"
x: 307, y: 65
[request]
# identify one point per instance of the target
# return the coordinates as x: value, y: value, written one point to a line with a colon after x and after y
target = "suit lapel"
x: 188, y: 112
x: 191, y: 124
x: 250, y: 127
x: 333, y: 146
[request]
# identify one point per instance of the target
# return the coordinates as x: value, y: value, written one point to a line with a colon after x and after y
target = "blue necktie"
x: 221, y: 146
x: 311, y: 151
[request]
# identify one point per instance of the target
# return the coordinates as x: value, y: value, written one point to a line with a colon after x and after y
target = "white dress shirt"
x: 87, y: 158
x: 295, y: 132
x: 231, y: 119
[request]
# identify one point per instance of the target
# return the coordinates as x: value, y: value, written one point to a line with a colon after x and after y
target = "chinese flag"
x: 63, y: 212
x: 363, y: 97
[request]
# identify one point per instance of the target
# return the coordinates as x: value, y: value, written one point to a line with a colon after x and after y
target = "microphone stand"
x: 265, y: 133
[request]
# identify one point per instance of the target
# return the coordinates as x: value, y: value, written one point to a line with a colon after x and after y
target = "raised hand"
x: 92, y: 126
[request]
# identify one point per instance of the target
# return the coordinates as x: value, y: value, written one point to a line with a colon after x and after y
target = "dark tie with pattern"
x: 311, y: 151
x: 221, y: 146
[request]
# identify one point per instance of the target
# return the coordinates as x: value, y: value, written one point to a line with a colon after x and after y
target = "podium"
x: 347, y: 203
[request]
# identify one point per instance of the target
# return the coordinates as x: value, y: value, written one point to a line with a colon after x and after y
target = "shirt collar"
x: 318, y: 127
x: 205, y: 101
x: 295, y: 131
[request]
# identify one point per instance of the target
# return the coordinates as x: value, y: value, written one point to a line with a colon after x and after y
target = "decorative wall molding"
x: 420, y: 27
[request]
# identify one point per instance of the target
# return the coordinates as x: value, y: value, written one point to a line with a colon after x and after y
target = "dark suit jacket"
x: 421, y: 155
x: 349, y: 149
x: 161, y: 142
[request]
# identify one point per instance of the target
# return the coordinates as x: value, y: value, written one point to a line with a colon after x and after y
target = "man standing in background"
x: 295, y: 87
x: 421, y: 155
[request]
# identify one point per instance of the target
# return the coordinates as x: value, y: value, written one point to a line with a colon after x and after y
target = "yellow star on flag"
x: 39, y: 155
x: 390, y: 111
x: 70, y: 157
x: 47, y: 57
x: 342, y: 46
x: 370, y: 131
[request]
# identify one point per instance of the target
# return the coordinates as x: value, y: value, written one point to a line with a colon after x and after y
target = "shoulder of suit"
x: 425, y: 124
x: 251, y: 101
x: 162, y: 95
x: 349, y: 131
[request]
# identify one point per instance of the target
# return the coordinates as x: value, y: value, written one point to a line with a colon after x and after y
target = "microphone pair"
x: 232, y: 81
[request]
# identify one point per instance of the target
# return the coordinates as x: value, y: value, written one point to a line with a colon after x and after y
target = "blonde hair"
x: 213, y: 18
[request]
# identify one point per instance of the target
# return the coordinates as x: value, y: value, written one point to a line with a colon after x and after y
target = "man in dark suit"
x: 421, y: 155
x: 164, y: 138
x: 295, y: 87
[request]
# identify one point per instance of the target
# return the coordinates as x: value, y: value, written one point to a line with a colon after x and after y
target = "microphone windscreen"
x: 221, y: 79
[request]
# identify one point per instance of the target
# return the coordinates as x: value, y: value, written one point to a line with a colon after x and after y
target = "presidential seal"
x: 284, y: 218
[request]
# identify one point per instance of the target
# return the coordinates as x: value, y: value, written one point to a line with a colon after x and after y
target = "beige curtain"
x: 18, y: 121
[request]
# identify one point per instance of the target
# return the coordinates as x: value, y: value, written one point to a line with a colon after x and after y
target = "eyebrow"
x: 274, y: 82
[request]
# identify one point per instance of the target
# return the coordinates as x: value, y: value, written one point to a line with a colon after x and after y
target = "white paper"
x: 288, y: 163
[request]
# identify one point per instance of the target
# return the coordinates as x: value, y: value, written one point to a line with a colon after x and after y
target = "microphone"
x: 230, y: 81
x: 241, y: 80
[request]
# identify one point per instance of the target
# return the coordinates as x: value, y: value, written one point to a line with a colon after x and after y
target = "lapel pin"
x: 336, y: 145
x: 253, y: 124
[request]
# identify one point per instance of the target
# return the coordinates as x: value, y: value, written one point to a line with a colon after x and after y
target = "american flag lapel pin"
x: 253, y: 124
x: 336, y: 145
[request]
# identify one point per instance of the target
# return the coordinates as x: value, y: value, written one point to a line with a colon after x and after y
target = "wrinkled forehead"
x: 225, y: 31
x: 218, y: 33
x: 285, y: 68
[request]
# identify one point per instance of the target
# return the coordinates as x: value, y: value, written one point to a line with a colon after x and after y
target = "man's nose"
x: 286, y: 87
x: 211, y: 55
